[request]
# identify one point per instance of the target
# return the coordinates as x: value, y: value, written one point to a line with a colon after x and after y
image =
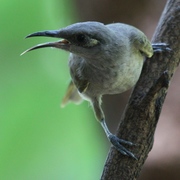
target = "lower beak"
x: 63, y: 44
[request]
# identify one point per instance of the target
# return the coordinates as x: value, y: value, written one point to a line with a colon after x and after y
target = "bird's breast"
x: 103, y: 78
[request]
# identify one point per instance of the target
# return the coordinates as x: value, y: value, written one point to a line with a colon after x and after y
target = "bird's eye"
x: 80, y: 38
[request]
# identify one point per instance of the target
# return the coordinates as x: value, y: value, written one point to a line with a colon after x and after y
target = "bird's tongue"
x: 64, y: 41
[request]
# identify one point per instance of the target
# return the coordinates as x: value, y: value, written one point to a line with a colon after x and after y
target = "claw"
x: 117, y: 143
x: 161, y: 47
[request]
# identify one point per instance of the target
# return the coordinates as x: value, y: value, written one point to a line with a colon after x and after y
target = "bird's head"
x: 84, y: 39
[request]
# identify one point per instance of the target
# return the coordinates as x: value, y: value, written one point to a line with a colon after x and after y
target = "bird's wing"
x: 82, y: 85
x: 71, y: 95
x: 141, y: 42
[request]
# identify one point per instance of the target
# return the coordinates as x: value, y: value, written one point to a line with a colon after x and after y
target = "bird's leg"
x: 115, y: 141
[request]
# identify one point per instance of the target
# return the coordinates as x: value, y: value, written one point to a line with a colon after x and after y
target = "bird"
x: 103, y: 59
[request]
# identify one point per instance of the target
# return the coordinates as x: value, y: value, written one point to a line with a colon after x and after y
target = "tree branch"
x: 140, y: 118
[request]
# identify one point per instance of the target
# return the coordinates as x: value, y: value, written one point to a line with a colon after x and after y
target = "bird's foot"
x: 117, y: 143
x: 161, y: 47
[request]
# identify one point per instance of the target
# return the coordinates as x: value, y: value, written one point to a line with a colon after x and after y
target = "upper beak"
x: 62, y: 44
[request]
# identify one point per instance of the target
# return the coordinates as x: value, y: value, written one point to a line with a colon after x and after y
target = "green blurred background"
x: 38, y: 139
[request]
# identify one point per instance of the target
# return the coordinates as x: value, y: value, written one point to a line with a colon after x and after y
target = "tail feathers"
x: 71, y: 95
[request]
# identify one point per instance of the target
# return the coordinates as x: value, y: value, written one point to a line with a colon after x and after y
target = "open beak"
x: 62, y: 44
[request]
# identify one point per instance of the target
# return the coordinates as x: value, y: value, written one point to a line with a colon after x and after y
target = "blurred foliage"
x: 38, y: 139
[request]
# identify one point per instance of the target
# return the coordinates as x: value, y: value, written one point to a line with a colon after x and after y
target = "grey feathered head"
x: 78, y: 38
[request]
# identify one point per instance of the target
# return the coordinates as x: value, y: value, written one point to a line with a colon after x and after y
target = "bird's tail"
x: 71, y: 95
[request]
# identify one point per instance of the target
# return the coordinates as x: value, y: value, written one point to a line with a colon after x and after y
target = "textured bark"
x: 140, y: 118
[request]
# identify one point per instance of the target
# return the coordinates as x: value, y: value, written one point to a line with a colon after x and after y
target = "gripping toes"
x: 161, y: 47
x: 117, y: 143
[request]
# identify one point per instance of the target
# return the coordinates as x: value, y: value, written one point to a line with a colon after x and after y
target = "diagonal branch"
x: 140, y: 118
